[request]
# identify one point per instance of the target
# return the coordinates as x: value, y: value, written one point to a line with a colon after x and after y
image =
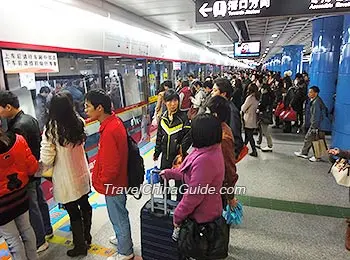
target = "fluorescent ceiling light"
x: 274, y: 35
x: 198, y: 31
x: 267, y: 48
x: 304, y: 50
x: 270, y: 42
x: 221, y: 46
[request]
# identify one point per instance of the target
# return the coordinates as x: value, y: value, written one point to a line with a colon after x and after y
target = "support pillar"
x: 292, y: 58
x: 324, y: 61
x: 341, y: 129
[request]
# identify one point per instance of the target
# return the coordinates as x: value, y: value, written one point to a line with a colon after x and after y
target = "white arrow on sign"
x: 204, y: 10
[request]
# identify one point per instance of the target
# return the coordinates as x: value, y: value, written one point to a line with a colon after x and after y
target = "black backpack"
x: 136, y: 169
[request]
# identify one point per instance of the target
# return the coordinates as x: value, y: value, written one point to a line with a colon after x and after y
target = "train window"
x: 77, y: 75
x: 125, y: 81
x: 158, y: 72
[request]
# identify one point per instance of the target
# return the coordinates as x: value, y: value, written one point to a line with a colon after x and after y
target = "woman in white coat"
x: 249, y: 109
x: 62, y: 148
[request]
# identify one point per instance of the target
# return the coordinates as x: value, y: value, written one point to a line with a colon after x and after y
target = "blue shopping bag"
x: 156, y: 177
x: 234, y: 216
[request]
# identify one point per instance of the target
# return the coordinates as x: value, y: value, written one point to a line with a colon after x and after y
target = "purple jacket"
x: 204, y: 167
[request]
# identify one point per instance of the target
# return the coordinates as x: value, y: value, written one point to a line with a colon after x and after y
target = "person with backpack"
x: 109, y: 175
x: 62, y: 148
x: 318, y: 117
x: 27, y: 126
x: 17, y: 165
x: 173, y: 134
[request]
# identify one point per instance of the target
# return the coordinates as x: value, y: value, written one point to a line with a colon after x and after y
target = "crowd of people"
x: 199, y: 124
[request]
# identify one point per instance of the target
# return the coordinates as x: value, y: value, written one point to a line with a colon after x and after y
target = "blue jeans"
x: 119, y: 216
x: 38, y: 212
x: 20, y: 238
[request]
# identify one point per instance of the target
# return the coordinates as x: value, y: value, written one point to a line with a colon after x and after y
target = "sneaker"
x: 314, y: 159
x: 258, y: 146
x: 117, y: 256
x: 43, y: 247
x: 299, y: 154
x: 113, y: 240
x: 266, y: 149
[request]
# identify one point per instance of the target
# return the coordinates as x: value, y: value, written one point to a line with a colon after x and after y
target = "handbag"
x: 319, y: 146
x: 279, y: 109
x: 288, y: 115
x: 204, y: 241
x: 233, y: 216
x: 341, y: 172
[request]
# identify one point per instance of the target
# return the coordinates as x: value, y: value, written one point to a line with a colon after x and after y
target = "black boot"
x: 80, y: 247
x: 87, y: 218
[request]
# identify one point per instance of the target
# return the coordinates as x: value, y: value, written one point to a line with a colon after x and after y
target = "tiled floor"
x: 293, y: 210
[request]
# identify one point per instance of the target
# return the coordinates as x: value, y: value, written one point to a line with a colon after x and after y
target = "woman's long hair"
x: 64, y: 125
x: 253, y: 89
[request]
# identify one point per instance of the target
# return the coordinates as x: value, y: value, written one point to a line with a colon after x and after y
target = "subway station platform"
x: 293, y: 209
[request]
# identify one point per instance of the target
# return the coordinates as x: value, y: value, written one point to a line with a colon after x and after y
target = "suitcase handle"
x: 165, y: 199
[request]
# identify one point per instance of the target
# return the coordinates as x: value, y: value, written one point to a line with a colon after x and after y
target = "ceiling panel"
x: 179, y: 15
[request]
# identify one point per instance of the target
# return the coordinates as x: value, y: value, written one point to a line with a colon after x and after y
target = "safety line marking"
x: 94, y: 249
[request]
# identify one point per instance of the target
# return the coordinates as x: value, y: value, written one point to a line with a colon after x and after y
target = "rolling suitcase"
x: 157, y: 229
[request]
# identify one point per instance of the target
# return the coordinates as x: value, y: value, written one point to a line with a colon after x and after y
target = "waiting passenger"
x: 17, y: 165
x: 160, y: 101
x: 62, y: 148
x: 27, y: 126
x: 316, y: 120
x: 265, y: 117
x: 198, y: 100
x: 345, y: 155
x: 185, y: 97
x: 249, y: 116
x: 173, y: 133
x: 223, y: 87
x: 219, y: 107
x: 202, y: 167
x: 109, y: 176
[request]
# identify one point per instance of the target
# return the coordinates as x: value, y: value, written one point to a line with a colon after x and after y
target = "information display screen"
x: 247, y: 49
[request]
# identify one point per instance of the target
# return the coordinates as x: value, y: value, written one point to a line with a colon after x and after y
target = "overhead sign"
x: 29, y: 62
x: 214, y: 10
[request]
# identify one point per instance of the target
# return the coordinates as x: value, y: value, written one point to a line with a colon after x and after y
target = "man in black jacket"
x: 223, y: 87
x: 27, y: 126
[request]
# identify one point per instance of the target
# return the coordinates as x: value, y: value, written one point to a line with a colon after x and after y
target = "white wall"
x: 51, y: 23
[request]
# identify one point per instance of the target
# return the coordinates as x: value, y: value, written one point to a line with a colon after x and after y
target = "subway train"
x: 50, y: 49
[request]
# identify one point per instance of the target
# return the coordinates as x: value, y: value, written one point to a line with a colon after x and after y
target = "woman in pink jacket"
x: 202, y: 172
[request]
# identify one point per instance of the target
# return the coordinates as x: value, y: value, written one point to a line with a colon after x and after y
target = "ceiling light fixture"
x: 274, y: 35
x: 270, y: 42
x: 198, y: 31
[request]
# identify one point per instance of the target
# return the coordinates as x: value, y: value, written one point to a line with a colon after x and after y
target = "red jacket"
x: 186, y: 102
x: 17, y: 163
x: 110, y: 172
